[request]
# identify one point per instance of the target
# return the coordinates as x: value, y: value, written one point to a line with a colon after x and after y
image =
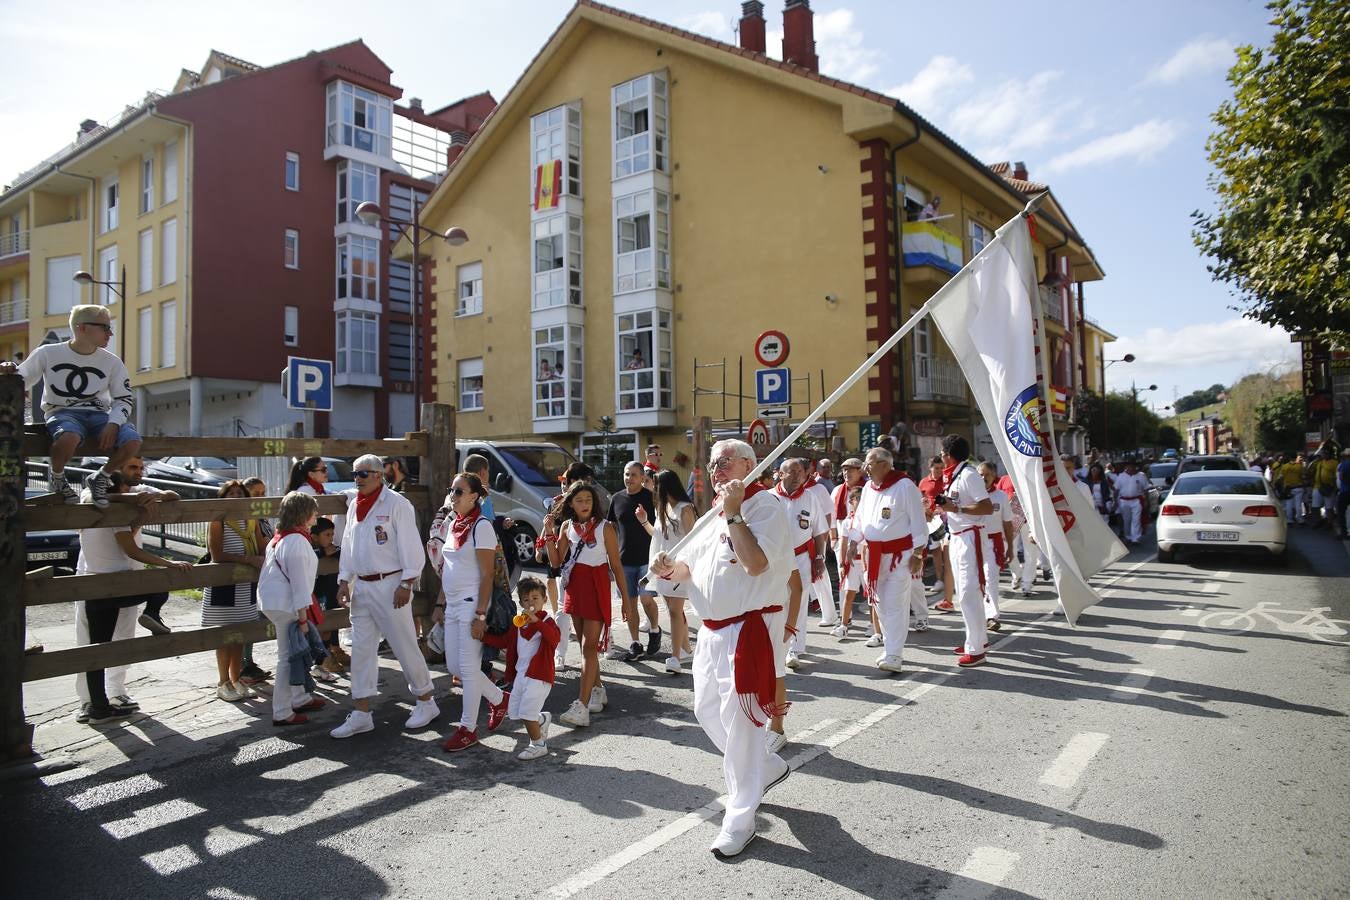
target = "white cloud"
x: 1013, y: 116
x: 841, y: 50
x: 1236, y: 346
x: 1204, y: 54
x: 934, y: 83
x: 1140, y: 143
x: 710, y: 24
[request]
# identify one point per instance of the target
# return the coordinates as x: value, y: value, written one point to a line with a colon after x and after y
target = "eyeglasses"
x: 459, y: 492
x: 363, y: 473
x: 717, y: 465
x: 320, y: 469
x: 105, y: 327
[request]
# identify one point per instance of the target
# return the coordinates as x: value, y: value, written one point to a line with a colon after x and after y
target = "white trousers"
x: 115, y: 678
x: 798, y: 644
x: 829, y: 613
x: 966, y: 586
x: 527, y: 698
x: 745, y: 756
x: 991, y: 596
x: 464, y: 657
x: 564, y: 621
x: 373, y: 617
x: 285, y: 696
x: 918, y: 601
x: 893, y: 597
x: 1293, y: 506
x: 1131, y: 513
x: 1024, y: 572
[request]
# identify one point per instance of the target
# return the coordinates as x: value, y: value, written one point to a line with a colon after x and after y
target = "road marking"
x: 613, y: 863
x: 152, y: 817
x: 124, y: 789
x: 1169, y: 639
x: 983, y: 873
x: 1073, y: 759
x: 1212, y: 587
x: 1133, y: 685
x: 1190, y: 612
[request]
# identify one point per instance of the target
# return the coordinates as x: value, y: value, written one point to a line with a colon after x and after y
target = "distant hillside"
x: 1179, y: 422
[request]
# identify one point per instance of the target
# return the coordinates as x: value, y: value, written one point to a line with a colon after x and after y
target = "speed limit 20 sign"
x: 771, y: 348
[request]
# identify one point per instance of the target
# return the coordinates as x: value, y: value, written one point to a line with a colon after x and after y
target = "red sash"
x: 1000, y: 554
x: 876, y: 549
x: 753, y: 663
x: 979, y: 551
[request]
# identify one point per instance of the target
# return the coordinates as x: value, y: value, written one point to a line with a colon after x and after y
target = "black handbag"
x: 501, y: 608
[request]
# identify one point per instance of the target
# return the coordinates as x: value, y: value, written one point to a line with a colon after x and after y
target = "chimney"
x: 799, y: 43
x: 752, y: 26
x: 415, y: 103
x: 458, y: 141
x: 1019, y: 171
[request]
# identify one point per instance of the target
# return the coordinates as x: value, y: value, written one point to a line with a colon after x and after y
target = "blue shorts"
x: 87, y: 423
x: 634, y: 574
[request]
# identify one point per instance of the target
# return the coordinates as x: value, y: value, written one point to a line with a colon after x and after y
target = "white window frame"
x: 637, y: 265
x: 145, y: 260
x: 358, y: 343
x: 145, y: 339
x: 555, y: 134
x: 170, y: 173
x: 651, y: 386
x: 147, y: 183
x: 357, y: 182
x: 107, y: 271
x: 62, y: 291
x: 348, y: 104
x: 291, y: 165
x: 923, y: 359
x: 290, y: 248
x: 979, y: 237
x: 557, y: 397
x: 168, y: 334
x: 641, y: 124
x: 363, y: 282
x: 109, y: 201
x: 469, y: 299
x: 168, y: 251
x: 469, y: 379
x: 290, y: 326
x: 557, y: 286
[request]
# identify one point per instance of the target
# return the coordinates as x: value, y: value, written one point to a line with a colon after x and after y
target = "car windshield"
x: 338, y: 469
x: 1196, y: 483
x: 1214, y: 464
x: 1162, y: 470
x: 214, y: 462
x: 540, y: 466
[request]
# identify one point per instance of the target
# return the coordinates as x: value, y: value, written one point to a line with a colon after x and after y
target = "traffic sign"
x: 773, y: 387
x: 309, y: 381
x: 771, y: 348
x: 773, y: 412
x: 758, y: 434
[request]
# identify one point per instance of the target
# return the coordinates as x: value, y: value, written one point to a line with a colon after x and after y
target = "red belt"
x: 753, y: 663
x: 809, y: 546
x: 979, y: 551
x: 875, y: 550
x: 380, y: 577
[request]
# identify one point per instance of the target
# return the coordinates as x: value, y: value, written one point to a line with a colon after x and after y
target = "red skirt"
x: 587, y: 593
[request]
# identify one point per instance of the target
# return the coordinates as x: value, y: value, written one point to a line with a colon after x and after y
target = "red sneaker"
x: 462, y: 739
x: 295, y: 719
x: 961, y: 650
x: 944, y: 606
x: 313, y: 704
x: 497, y: 712
x: 970, y: 661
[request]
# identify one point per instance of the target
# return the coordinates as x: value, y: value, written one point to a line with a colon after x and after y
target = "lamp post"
x: 1134, y: 412
x: 1106, y: 406
x: 119, y: 288
x: 370, y: 215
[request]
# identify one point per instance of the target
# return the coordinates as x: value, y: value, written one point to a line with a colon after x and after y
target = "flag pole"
x: 1032, y: 205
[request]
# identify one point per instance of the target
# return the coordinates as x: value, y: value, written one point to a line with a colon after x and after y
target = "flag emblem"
x: 1022, y: 423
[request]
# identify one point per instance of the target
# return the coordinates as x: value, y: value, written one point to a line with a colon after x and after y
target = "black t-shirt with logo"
x: 634, y: 541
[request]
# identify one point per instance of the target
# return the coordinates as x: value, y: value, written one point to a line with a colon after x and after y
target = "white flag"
x: 989, y: 317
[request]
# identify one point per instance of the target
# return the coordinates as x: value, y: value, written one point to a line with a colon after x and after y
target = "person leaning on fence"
x: 86, y: 398
x: 251, y: 673
x: 237, y: 541
x: 285, y: 588
x: 382, y: 561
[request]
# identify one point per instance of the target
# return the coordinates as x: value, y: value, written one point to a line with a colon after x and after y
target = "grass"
x: 1179, y: 422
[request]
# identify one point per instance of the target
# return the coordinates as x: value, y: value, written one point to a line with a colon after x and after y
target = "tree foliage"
x: 1249, y: 392
x: 1280, y: 423
x: 1280, y: 235
x: 1169, y: 437
x: 1113, y: 429
x: 1197, y: 399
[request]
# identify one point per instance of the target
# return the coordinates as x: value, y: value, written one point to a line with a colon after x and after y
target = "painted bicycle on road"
x: 1311, y: 623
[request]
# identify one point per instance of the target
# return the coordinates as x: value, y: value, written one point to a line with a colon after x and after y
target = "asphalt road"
x: 1165, y: 747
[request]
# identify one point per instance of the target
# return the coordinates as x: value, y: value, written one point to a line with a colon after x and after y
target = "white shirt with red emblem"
x: 967, y: 488
x: 890, y: 514
x: 719, y: 587
x: 806, y: 518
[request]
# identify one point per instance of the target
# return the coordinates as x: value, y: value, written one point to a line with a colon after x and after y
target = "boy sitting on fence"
x: 86, y: 396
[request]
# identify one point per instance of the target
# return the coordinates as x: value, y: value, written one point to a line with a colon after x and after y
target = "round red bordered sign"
x: 771, y: 348
x: 758, y: 433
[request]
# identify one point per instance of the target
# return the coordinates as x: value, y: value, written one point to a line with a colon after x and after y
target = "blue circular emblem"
x: 1022, y: 422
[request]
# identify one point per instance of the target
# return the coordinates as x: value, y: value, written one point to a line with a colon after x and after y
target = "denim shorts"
x: 87, y: 423
x: 634, y: 574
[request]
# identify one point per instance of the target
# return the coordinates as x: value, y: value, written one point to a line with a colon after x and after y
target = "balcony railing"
x: 938, y: 379
x: 929, y: 244
x: 12, y: 242
x: 1052, y: 304
x: 13, y: 312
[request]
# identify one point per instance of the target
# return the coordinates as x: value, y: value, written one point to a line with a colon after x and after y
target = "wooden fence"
x: 435, y: 445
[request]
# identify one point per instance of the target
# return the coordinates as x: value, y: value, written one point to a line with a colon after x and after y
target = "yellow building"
x: 647, y: 199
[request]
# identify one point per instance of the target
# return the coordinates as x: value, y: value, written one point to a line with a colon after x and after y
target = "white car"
x: 1221, y: 510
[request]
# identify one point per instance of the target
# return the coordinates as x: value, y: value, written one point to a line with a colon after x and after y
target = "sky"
x: 1108, y: 103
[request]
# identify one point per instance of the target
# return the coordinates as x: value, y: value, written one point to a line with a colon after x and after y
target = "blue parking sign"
x: 309, y: 381
x: 773, y: 387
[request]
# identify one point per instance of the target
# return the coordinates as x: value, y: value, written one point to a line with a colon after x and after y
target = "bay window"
x: 356, y: 183
x: 359, y: 118
x: 640, y: 125
x: 358, y: 272
x: 358, y: 341
x: 645, y: 377
x: 642, y: 241
x: 557, y: 372
x: 555, y: 138
x: 557, y: 262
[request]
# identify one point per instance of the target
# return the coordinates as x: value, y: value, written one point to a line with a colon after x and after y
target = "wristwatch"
x: 482, y: 617
x: 407, y: 585
x: 737, y: 519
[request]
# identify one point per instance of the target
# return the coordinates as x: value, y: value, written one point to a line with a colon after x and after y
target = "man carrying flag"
x: 966, y: 502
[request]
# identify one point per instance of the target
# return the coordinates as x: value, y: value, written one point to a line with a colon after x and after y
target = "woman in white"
x: 468, y: 557
x: 674, y: 518
x: 285, y: 586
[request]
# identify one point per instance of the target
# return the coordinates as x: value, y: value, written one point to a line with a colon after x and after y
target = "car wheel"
x: 1279, y: 559
x: 524, y: 537
x: 1167, y: 556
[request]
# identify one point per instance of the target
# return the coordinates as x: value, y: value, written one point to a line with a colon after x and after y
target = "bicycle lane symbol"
x: 1310, y: 623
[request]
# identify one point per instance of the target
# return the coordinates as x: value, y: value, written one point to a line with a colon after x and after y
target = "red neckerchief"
x: 586, y: 533
x: 750, y: 491
x: 813, y: 479
x: 891, y: 478
x: 462, y: 525
x: 947, y: 473
x: 650, y: 468
x: 778, y: 489
x: 841, y: 501
x: 276, y: 538
x: 317, y: 485
x: 365, y: 501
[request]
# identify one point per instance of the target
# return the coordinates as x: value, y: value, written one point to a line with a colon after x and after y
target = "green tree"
x: 1280, y: 423
x: 1168, y: 437
x: 1249, y: 392
x: 1281, y: 155
x: 1119, y: 420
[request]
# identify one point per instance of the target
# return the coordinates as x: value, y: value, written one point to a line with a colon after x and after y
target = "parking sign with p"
x: 309, y: 384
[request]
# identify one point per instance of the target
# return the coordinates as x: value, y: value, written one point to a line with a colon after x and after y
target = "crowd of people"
x: 1315, y: 487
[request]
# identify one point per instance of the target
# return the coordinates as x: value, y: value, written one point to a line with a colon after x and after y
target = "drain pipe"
x: 897, y: 219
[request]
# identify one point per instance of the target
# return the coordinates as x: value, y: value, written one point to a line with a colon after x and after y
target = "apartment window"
x: 642, y: 241
x: 358, y: 260
x: 640, y: 125
x: 470, y: 384
x: 62, y: 291
x: 916, y: 198
x: 358, y: 339
x: 168, y: 252
x: 470, y: 301
x: 979, y: 236
x: 145, y: 335
x: 170, y: 191
x: 109, y: 196
x: 645, y: 360
x: 356, y: 183
x: 292, y: 171
x: 923, y: 359
x: 557, y: 262
x: 168, y: 334
x: 556, y: 165
x: 558, y: 372
x: 145, y: 260
x: 400, y: 351
x: 400, y: 286
x: 290, y: 326
x: 147, y: 184
x: 359, y: 118
x: 291, y: 251
x: 107, y: 271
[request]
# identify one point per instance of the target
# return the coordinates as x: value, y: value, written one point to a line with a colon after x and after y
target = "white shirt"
x: 890, y: 514
x: 826, y: 502
x: 100, y: 554
x: 967, y: 489
x: 286, y: 581
x: 94, y: 382
x: 387, y: 541
x: 805, y: 516
x: 527, y: 647
x: 592, y: 554
x: 719, y: 587
x: 1002, y: 511
x: 1135, y: 485
x: 461, y: 576
x: 339, y: 522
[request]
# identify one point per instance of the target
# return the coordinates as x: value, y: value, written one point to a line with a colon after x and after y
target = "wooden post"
x: 437, y: 471
x: 702, y: 488
x: 16, y: 735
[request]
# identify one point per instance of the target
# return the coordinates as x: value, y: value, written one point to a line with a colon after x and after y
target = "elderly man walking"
x: 737, y: 567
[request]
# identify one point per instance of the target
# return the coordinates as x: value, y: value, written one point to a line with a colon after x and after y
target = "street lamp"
x: 1134, y: 412
x: 119, y: 288
x: 370, y: 215
x: 1106, y: 406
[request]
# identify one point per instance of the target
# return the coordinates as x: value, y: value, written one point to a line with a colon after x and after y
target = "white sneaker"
x: 829, y: 623
x: 889, y: 664
x: 244, y: 691
x: 319, y: 673
x: 616, y: 652
x: 674, y: 666
x: 357, y: 723
x: 225, y: 691
x: 774, y: 740
x: 423, y: 714
x: 793, y: 661
x: 937, y: 588
x: 782, y: 770
x: 599, y: 699
x: 533, y: 751
x: 874, y: 641
x: 921, y: 625
x: 731, y: 843
x: 840, y: 630
x: 577, y: 715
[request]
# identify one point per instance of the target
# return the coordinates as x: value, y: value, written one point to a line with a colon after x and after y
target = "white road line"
x: 613, y: 863
x: 1212, y: 587
x: 1133, y: 685
x: 1169, y: 639
x: 1073, y: 759
x: 983, y: 873
x: 152, y: 817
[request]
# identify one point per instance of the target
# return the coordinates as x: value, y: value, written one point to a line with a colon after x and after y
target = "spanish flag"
x: 547, y: 184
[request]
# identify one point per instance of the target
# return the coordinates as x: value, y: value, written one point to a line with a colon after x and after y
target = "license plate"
x: 47, y: 554
x: 1216, y: 535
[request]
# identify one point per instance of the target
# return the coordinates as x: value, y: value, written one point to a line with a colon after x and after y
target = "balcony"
x: 936, y: 378
x: 12, y: 243
x: 929, y: 245
x: 1052, y: 305
x: 13, y: 312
